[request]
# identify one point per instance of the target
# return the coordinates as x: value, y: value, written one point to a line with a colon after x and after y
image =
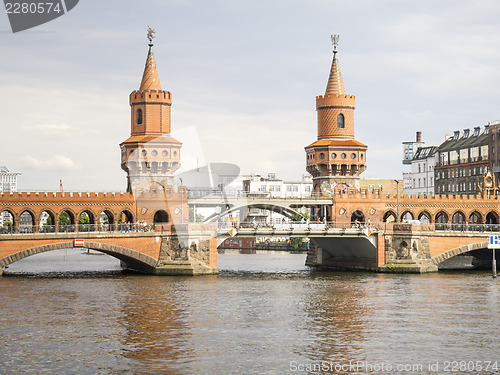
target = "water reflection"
x: 257, y: 317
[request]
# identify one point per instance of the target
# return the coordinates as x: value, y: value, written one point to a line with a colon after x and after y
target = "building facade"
x: 8, y: 184
x: 494, y: 148
x: 462, y: 162
x: 336, y: 157
x: 420, y: 179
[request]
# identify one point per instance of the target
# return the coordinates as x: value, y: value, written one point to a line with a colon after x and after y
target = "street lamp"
x: 182, y: 208
x: 397, y: 200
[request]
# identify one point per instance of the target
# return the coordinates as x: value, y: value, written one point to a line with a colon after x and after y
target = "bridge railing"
x: 84, y: 228
x: 305, y: 226
x: 314, y: 225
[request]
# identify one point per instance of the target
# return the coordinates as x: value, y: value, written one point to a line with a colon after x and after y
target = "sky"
x: 244, y: 76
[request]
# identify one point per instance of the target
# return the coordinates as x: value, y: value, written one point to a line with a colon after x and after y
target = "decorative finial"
x: 151, y: 33
x: 335, y: 42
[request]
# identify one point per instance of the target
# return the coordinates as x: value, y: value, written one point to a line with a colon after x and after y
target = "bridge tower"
x: 336, y: 158
x: 150, y: 155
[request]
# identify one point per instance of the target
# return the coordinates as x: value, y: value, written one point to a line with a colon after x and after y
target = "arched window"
x: 139, y: 116
x: 340, y: 121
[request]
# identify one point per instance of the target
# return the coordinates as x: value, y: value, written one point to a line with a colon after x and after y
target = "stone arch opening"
x: 389, y: 217
x: 66, y: 221
x: 357, y: 216
x: 7, y: 221
x: 402, y: 250
x: 407, y: 216
x: 424, y: 217
x: 161, y: 217
x: 26, y: 222
x: 47, y: 222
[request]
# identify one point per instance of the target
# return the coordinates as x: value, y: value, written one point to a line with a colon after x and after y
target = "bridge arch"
x: 161, y: 216
x: 89, y: 213
x: 457, y: 251
x: 406, y: 215
x: 424, y: 217
x: 27, y: 220
x: 475, y: 217
x: 12, y: 216
x: 46, y: 221
x: 441, y: 217
x: 133, y: 258
x: 358, y: 215
x: 67, y: 216
x: 492, y: 217
x: 283, y: 210
x: 106, y: 216
x: 389, y: 216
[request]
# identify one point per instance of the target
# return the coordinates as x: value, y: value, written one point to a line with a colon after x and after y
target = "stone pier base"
x: 408, y: 266
x: 189, y: 267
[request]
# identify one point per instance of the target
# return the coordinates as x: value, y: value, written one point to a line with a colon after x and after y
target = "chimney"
x: 419, y: 137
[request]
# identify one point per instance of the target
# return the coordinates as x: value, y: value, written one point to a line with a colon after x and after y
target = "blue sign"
x: 494, y: 244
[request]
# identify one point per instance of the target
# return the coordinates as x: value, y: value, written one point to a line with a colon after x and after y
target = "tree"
x: 199, y: 217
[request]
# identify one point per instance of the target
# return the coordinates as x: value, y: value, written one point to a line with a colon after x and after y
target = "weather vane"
x: 151, y: 35
x: 335, y: 42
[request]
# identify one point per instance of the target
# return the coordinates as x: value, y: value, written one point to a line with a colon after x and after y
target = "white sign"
x: 494, y: 243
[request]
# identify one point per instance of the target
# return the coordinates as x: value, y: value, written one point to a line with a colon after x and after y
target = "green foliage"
x: 296, y: 242
x: 84, y: 219
x: 64, y: 219
x: 199, y: 217
x: 8, y: 223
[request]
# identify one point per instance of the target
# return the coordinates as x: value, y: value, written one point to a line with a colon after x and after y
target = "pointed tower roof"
x: 335, y: 85
x: 150, y: 78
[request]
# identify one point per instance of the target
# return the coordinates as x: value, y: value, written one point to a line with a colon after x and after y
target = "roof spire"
x: 335, y: 84
x: 150, y: 78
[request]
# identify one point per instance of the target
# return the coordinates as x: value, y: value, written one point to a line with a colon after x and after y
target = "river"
x: 66, y: 312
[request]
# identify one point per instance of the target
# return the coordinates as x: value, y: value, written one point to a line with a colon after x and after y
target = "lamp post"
x: 397, y: 200
x: 182, y: 208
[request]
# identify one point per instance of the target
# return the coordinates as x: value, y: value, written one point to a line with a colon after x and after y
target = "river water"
x: 66, y: 312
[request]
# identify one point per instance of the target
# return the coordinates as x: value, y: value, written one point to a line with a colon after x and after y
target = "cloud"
x: 48, y: 128
x: 55, y: 163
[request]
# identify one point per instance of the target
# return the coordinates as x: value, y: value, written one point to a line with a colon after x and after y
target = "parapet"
x: 138, y: 96
x: 335, y: 101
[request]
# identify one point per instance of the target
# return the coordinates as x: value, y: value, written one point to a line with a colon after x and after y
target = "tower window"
x: 322, y: 155
x: 139, y: 116
x: 340, y: 121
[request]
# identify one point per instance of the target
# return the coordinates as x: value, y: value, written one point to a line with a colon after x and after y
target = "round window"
x: 343, y: 156
x: 144, y: 152
x: 322, y: 155
x: 353, y: 155
x: 154, y: 153
x: 164, y: 153
x: 334, y: 155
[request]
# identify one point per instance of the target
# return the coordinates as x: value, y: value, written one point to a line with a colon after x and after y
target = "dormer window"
x: 139, y: 116
x: 340, y: 121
